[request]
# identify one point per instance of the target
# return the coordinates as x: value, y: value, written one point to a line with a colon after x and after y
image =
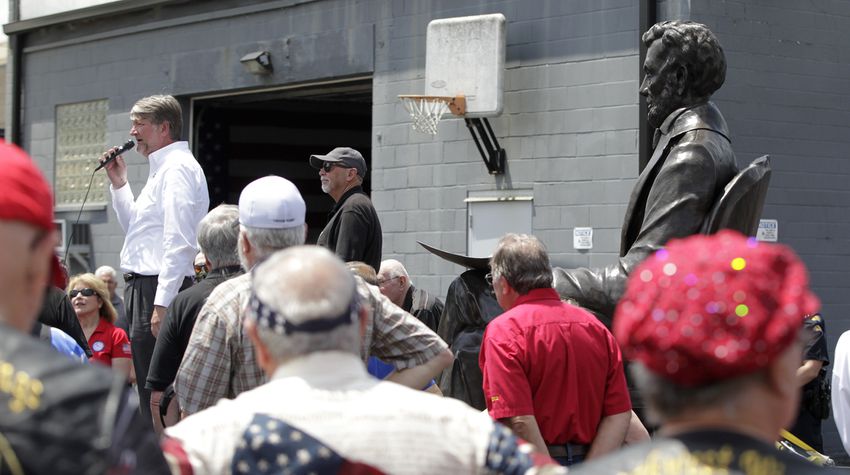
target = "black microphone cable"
x: 127, y: 146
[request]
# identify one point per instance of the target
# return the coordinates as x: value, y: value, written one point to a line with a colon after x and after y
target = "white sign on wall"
x: 768, y: 230
x: 582, y: 238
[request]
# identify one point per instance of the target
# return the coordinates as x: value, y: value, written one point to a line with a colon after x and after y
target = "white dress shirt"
x: 331, y: 397
x: 161, y: 224
x: 841, y: 389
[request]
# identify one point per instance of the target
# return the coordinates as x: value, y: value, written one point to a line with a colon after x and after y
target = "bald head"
x: 308, y: 317
x: 394, y: 281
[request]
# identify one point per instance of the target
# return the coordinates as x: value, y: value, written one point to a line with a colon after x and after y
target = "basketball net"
x: 426, y: 112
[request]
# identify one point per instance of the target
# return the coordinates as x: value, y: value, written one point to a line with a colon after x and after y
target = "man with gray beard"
x: 692, y: 162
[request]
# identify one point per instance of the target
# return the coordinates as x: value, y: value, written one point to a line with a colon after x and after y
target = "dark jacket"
x: 62, y: 417
x: 692, y: 163
x: 424, y: 306
x: 354, y: 232
x: 57, y: 312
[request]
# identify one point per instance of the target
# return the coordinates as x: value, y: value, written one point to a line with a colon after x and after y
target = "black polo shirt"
x: 353, y: 231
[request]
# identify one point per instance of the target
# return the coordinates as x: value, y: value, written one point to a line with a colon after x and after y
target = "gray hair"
x: 159, y: 109
x: 307, y: 283
x: 699, y: 52
x: 218, y: 233
x: 666, y: 399
x: 102, y: 270
x: 267, y: 241
x: 523, y: 261
x: 393, y: 268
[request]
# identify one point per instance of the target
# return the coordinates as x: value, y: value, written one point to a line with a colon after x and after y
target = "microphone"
x: 127, y: 146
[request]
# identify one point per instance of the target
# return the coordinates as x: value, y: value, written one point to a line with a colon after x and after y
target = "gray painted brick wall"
x: 570, y: 116
x: 787, y: 94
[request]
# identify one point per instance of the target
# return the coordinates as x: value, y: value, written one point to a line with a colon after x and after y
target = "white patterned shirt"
x: 329, y: 397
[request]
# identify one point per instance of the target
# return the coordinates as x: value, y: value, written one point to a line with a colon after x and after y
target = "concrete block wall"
x: 569, y: 128
x: 185, y: 52
x: 787, y: 94
x: 569, y: 125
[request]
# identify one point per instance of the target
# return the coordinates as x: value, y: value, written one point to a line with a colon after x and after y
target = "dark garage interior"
x: 241, y: 137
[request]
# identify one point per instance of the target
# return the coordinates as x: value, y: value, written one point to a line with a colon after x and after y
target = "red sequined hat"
x: 709, y: 308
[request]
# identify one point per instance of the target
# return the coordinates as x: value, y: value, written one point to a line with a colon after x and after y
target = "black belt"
x: 567, y: 450
x: 128, y: 276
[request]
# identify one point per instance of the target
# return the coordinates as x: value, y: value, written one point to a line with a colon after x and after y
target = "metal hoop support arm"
x: 488, y: 146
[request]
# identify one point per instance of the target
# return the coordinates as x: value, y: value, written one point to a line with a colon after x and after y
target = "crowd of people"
x: 292, y: 358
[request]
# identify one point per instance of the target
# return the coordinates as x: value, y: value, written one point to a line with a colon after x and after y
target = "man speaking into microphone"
x: 160, y: 224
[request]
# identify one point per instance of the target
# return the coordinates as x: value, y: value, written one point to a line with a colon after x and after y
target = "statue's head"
x: 684, y: 65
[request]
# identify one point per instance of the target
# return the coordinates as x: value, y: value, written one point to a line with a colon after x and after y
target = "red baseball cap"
x: 26, y: 196
x: 710, y: 308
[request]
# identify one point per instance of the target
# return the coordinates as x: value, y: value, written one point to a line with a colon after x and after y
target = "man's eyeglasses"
x: 85, y: 292
x: 489, y: 278
x: 382, y: 282
x: 328, y: 166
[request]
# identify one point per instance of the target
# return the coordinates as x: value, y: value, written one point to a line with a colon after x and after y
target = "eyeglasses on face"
x: 489, y: 278
x: 85, y: 292
x: 382, y: 282
x: 327, y: 166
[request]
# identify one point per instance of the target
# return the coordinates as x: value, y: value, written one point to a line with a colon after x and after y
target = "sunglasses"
x: 85, y: 292
x: 328, y: 166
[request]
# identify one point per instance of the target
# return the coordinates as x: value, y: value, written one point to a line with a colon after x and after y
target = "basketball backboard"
x: 465, y: 56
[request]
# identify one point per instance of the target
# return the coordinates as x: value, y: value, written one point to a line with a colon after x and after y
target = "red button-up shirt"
x: 555, y: 361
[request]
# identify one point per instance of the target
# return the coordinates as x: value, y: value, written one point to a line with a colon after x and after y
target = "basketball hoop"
x: 426, y: 111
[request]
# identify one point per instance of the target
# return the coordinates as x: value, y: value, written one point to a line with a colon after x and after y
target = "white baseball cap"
x: 271, y: 202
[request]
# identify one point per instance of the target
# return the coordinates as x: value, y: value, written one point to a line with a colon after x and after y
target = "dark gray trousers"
x: 139, y: 292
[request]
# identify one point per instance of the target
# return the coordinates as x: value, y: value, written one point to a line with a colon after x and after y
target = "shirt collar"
x: 321, y: 368
x: 407, y: 304
x: 534, y: 295
x: 338, y: 205
x: 157, y: 159
x: 225, y: 271
x: 668, y: 122
x: 102, y: 326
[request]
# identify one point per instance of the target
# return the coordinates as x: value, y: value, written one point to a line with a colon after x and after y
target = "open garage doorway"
x: 241, y: 137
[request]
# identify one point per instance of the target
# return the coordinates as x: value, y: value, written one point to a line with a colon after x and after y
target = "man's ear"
x: 42, y: 257
x: 165, y: 128
x: 263, y: 357
x: 246, y: 245
x: 352, y: 175
x: 681, y: 79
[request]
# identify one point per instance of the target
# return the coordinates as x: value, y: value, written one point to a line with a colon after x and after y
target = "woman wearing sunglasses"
x: 109, y: 344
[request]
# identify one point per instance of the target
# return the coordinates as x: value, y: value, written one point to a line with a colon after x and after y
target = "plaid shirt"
x: 220, y: 361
